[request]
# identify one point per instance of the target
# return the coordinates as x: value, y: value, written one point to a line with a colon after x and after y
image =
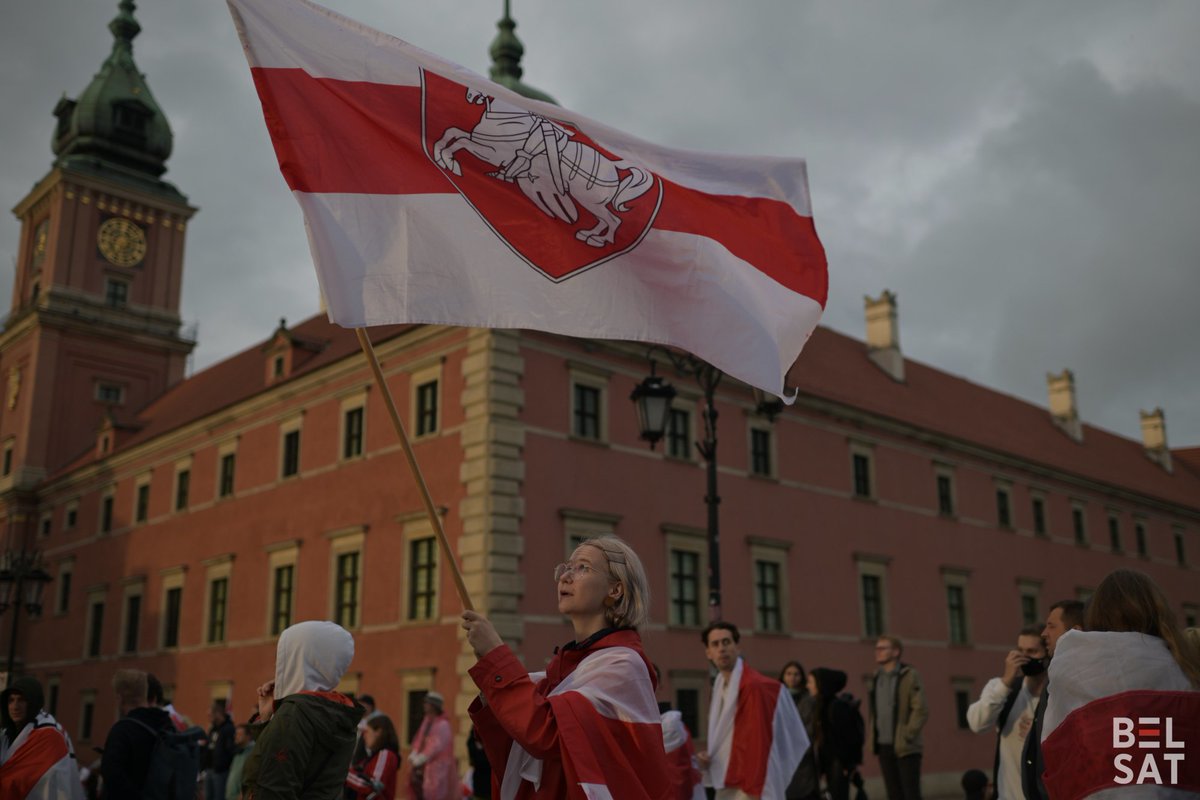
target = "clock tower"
x: 93, y: 335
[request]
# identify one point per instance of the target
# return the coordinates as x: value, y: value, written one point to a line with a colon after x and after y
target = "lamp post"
x: 653, y: 400
x: 22, y: 581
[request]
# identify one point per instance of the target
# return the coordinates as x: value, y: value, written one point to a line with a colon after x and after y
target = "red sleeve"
x: 515, y: 705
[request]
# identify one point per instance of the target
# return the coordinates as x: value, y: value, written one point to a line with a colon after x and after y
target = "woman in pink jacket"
x: 434, y: 770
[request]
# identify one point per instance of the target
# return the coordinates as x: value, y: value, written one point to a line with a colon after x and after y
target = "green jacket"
x: 304, y: 752
x: 909, y: 712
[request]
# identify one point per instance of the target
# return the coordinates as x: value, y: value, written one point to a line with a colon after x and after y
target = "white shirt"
x: 982, y: 716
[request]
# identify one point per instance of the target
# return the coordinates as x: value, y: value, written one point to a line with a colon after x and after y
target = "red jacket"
x: 379, y: 768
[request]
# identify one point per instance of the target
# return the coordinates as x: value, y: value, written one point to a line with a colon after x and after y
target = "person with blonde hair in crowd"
x: 1129, y: 662
x: 589, y: 725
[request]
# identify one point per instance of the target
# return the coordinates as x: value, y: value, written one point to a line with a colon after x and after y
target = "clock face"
x: 121, y: 242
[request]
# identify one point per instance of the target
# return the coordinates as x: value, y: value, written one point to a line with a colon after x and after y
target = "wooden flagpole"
x: 434, y: 519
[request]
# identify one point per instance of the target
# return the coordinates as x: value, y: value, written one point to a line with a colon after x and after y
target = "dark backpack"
x: 853, y: 736
x: 174, y: 763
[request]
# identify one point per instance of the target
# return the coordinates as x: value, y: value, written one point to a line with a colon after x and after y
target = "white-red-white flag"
x: 433, y: 195
x: 756, y: 738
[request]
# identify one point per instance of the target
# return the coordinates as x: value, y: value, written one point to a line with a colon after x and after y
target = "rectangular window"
x: 291, y: 453
x: 173, y: 606
x: 422, y: 575
x: 8, y: 450
x: 760, y: 451
x: 416, y: 711
x: 277, y: 367
x: 1180, y: 552
x: 110, y: 394
x: 945, y: 495
x: 183, y: 482
x: 1039, y: 516
x: 346, y: 611
x: 1029, y: 610
x: 1078, y: 525
x: 52, y: 697
x: 141, y: 511
x: 218, y: 596
x: 685, y: 587
x: 1114, y: 533
x: 95, y: 629
x: 86, y: 716
x: 44, y: 528
x: 587, y: 412
x: 106, y: 514
x: 352, y: 435
x: 228, y: 470
x: 956, y: 603
x: 72, y: 516
x: 281, y: 601
x: 862, y: 474
x: 63, y: 602
x: 687, y: 702
x: 962, y: 701
x: 1003, y: 509
x: 1139, y: 532
x: 116, y: 293
x: 679, y: 429
x: 872, y: 604
x: 427, y: 408
x: 133, y: 621
x: 768, y: 607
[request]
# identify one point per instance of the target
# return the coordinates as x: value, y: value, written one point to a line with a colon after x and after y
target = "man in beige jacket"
x: 897, y: 714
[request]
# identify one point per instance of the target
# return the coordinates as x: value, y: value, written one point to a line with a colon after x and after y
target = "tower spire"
x: 506, y: 52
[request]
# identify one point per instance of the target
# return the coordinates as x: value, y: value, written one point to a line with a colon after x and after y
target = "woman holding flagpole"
x: 587, y: 727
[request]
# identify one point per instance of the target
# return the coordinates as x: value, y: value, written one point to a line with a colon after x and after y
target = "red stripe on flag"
x: 766, y: 233
x: 346, y: 136
x: 1148, y: 732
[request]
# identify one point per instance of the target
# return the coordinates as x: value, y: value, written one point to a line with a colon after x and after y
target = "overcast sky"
x: 1024, y: 175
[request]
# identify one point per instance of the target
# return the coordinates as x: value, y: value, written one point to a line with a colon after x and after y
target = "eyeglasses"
x: 575, y: 570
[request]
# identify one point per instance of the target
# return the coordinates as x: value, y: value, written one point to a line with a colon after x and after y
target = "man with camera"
x: 1007, y: 705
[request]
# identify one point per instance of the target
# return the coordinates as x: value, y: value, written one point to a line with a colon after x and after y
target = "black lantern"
x: 767, y: 404
x: 653, y: 397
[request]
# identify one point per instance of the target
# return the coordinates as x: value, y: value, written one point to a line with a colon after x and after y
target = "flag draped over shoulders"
x: 755, y: 736
x: 586, y: 728
x: 686, y: 781
x: 433, y: 195
x: 1121, y: 718
x: 40, y: 763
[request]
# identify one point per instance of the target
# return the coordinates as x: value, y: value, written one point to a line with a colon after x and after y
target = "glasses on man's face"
x: 575, y: 570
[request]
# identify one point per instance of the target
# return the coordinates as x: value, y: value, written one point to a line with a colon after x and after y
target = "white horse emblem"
x: 551, y: 168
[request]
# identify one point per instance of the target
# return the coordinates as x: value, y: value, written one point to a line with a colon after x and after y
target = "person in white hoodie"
x: 1129, y: 663
x: 305, y: 729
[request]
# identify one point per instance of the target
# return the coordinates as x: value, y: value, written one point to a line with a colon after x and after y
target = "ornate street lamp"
x: 22, y: 581
x: 653, y: 400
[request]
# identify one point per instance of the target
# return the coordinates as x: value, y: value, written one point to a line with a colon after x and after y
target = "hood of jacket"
x: 829, y: 681
x: 31, y: 690
x: 312, y: 656
x: 333, y: 713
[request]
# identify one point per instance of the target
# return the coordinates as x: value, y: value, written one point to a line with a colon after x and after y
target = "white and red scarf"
x: 40, y: 764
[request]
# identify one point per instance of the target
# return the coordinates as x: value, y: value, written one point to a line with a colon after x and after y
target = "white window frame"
x: 596, y: 378
x: 943, y: 470
x: 580, y: 524
x: 109, y: 495
x: 875, y: 566
x: 414, y: 530
x: 867, y: 450
x: 691, y: 540
x: 144, y: 479
x: 1081, y: 507
x: 226, y: 448
x: 358, y: 400
x: 678, y: 404
x: 132, y: 587
x: 772, y: 472
x: 1004, y: 485
x: 65, y: 567
x: 1031, y: 587
x: 961, y: 578
x: 215, y: 569
x: 293, y: 424
x: 282, y: 554
x: 95, y: 594
x: 172, y: 578
x: 419, y: 378
x: 71, y: 507
x: 181, y: 466
x: 342, y: 542
x: 772, y: 552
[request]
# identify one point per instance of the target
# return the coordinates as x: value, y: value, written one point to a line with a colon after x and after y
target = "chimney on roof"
x: 883, y: 334
x: 1154, y: 437
x: 1062, y: 403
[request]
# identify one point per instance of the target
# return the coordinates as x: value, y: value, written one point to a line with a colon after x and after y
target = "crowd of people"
x: 589, y: 726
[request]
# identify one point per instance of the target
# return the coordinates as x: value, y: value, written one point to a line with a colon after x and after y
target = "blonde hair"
x: 624, y: 566
x: 131, y: 686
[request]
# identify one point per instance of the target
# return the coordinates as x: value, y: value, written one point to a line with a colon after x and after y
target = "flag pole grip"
x: 434, y: 518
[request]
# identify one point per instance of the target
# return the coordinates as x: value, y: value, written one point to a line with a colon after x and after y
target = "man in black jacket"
x: 221, y: 749
x: 129, y: 745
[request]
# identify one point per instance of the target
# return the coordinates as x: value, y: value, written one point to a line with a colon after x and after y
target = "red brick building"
x: 185, y: 522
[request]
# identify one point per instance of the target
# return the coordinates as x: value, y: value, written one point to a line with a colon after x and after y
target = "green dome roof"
x: 506, y: 52
x: 115, y: 125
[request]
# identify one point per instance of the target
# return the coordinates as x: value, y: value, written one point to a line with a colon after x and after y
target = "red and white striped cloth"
x: 687, y: 783
x: 755, y: 736
x: 432, y: 195
x: 40, y: 763
x: 1122, y: 719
